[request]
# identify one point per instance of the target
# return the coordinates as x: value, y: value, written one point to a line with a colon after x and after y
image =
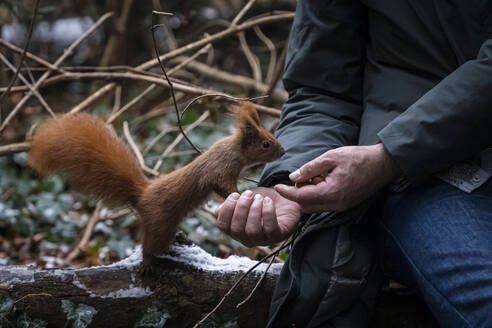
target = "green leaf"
x: 153, y: 317
x: 6, y: 304
x: 283, y: 256
x: 81, y: 315
x: 24, y: 321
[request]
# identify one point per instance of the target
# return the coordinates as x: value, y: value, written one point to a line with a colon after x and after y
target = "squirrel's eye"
x: 266, y: 144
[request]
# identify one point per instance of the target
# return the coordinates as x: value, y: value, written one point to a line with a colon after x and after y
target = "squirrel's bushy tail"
x: 92, y: 157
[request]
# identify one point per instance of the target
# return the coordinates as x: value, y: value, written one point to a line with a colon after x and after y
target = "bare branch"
x: 93, y: 97
x: 273, y: 53
x: 170, y: 148
x: 253, y: 60
x: 136, y: 151
x: 217, y: 36
x: 151, y: 87
x: 227, y: 77
x: 37, y: 59
x: 16, y: 71
x: 242, y: 12
x: 66, y: 53
x: 23, y: 79
x: 173, y: 95
x: 14, y: 148
x: 186, y: 88
x: 117, y: 99
x: 87, y: 234
x: 208, y: 39
x: 159, y: 137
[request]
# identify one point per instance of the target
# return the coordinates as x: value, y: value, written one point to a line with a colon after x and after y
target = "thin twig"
x: 14, y: 148
x: 156, y: 111
x: 87, y: 234
x: 26, y: 82
x: 159, y: 137
x: 117, y: 214
x: 93, y: 97
x: 253, y: 61
x: 242, y: 12
x: 170, y: 38
x: 166, y: 152
x: 65, y: 54
x: 259, y: 280
x: 217, y: 95
x: 31, y: 295
x: 229, y: 78
x: 151, y: 87
x: 273, y: 53
x: 272, y: 254
x: 37, y: 59
x: 117, y: 99
x: 262, y: 19
x: 186, y: 88
x: 29, y: 72
x: 28, y: 41
x: 132, y: 102
x: 162, y: 13
x: 217, y: 36
x: 171, y: 87
x: 278, y: 70
x: 136, y: 151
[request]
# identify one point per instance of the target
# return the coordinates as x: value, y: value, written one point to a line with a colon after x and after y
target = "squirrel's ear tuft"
x: 245, y: 113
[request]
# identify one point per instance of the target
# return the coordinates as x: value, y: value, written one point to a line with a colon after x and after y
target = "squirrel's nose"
x: 282, y: 151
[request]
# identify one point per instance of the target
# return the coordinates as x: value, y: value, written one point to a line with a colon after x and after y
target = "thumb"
x: 319, y: 166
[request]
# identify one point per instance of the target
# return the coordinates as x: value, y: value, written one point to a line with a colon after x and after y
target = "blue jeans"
x: 437, y: 240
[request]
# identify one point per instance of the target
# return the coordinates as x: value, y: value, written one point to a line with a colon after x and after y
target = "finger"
x: 271, y: 228
x: 253, y: 229
x: 319, y: 166
x: 240, y: 217
x: 225, y: 211
x: 309, y: 194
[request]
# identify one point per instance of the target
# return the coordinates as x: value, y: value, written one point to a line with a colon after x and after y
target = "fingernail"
x: 267, y: 200
x: 295, y: 175
x: 234, y: 196
x: 248, y: 193
x: 258, y: 197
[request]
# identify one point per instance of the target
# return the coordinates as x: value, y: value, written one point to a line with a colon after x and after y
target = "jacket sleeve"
x: 450, y: 123
x: 323, y: 76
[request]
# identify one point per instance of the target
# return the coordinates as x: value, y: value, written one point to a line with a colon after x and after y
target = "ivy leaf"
x: 81, y: 315
x: 153, y: 317
x: 24, y: 321
x: 6, y: 304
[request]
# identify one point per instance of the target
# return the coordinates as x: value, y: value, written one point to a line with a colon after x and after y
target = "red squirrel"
x: 97, y: 162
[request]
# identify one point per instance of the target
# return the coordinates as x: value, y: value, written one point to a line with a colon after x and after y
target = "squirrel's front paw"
x: 148, y: 269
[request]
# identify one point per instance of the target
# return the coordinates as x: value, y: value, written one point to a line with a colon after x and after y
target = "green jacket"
x: 415, y: 75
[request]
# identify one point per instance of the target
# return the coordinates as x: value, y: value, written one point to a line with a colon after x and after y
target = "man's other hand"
x: 350, y: 175
x: 258, y: 217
